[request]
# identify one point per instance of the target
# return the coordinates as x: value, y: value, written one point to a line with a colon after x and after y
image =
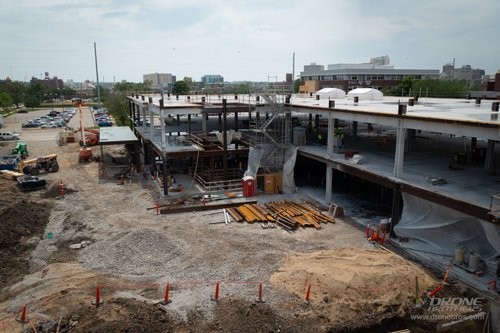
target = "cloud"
x: 241, y: 39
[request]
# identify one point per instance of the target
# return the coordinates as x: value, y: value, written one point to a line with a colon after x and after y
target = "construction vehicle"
x: 34, y: 166
x: 86, y: 154
x: 21, y: 149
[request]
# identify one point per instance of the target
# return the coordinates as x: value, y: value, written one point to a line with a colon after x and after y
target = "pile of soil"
x: 55, y: 191
x: 128, y: 315
x: 353, y: 288
x: 23, y: 223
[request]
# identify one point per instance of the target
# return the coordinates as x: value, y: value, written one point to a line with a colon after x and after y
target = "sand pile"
x: 353, y: 287
x: 141, y: 252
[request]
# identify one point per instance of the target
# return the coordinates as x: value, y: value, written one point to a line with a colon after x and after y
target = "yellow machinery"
x: 35, y: 165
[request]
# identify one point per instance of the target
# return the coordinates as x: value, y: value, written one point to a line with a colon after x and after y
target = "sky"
x: 241, y: 40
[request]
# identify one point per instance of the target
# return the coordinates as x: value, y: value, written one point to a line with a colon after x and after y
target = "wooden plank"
x: 174, y: 210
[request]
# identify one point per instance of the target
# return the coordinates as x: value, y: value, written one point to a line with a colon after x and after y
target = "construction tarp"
x: 331, y: 93
x: 365, y: 94
x: 288, y: 171
x: 433, y: 228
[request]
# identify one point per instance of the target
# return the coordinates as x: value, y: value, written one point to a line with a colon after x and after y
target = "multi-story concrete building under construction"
x: 378, y: 73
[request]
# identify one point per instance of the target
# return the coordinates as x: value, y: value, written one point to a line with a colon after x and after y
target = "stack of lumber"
x: 287, y: 214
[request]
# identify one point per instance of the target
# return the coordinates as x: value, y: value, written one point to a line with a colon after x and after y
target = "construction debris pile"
x: 287, y: 214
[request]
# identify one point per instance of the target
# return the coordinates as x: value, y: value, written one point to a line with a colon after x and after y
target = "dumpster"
x: 9, y: 162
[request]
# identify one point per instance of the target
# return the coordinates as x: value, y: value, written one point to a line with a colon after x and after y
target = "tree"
x: 33, y: 97
x: 117, y: 105
x: 189, y: 82
x: 16, y: 90
x: 180, y: 87
x: 5, y: 100
x: 296, y: 85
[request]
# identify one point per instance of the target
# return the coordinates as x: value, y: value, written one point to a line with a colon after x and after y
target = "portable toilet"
x: 248, y: 186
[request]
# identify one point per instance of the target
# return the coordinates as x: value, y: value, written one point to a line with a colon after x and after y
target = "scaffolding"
x: 269, y: 132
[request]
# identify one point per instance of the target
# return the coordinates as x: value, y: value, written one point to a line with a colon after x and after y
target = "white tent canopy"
x: 332, y: 93
x: 365, y: 94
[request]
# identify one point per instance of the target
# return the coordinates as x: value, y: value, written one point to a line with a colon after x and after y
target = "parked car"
x: 104, y: 123
x: 29, y: 124
x: 23, y: 110
x: 9, y: 136
x: 49, y: 125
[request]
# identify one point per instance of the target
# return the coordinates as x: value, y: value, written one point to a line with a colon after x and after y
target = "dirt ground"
x: 131, y: 254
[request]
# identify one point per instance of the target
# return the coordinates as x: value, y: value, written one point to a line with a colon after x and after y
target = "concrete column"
x: 257, y: 118
x: 178, y: 120
x: 236, y: 121
x: 489, y: 163
x: 410, y: 138
x: 204, y: 119
x: 162, y: 126
x: 354, y: 130
x: 288, y: 127
x: 189, y: 123
x: 220, y: 119
x: 165, y: 174
x: 133, y: 114
x: 329, y: 183
x: 145, y: 148
x: 316, y: 121
x: 224, y: 138
x: 473, y: 143
x: 151, y: 118
x: 143, y: 107
x: 400, y: 149
x: 329, y: 138
x: 397, y: 208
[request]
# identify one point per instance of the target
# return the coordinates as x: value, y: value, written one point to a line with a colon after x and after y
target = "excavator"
x: 35, y: 165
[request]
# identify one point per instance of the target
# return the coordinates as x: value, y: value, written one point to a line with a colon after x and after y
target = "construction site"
x: 262, y: 212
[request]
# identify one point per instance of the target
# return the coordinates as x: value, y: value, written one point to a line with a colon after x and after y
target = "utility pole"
x: 97, y: 76
x: 293, y: 74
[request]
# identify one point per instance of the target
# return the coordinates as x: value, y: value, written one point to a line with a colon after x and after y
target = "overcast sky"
x: 240, y: 39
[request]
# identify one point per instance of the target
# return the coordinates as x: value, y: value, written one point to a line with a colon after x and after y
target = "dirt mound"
x: 116, y: 315
x: 140, y: 252
x: 353, y: 287
x: 55, y: 191
x: 21, y: 221
x: 128, y: 315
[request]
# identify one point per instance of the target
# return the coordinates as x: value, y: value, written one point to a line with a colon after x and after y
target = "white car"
x: 9, y: 136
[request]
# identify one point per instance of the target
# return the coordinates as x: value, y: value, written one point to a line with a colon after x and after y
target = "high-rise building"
x: 159, y: 80
x: 289, y: 77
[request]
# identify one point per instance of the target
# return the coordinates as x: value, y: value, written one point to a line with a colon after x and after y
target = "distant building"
x: 491, y: 82
x: 159, y: 80
x: 381, y: 61
x: 472, y: 77
x: 289, y: 78
x: 50, y: 83
x: 377, y: 74
x: 212, y: 78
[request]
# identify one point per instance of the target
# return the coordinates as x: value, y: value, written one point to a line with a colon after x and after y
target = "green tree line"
x: 430, y: 88
x: 15, y: 93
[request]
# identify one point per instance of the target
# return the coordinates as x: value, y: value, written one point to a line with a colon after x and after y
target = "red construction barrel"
x: 248, y: 186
